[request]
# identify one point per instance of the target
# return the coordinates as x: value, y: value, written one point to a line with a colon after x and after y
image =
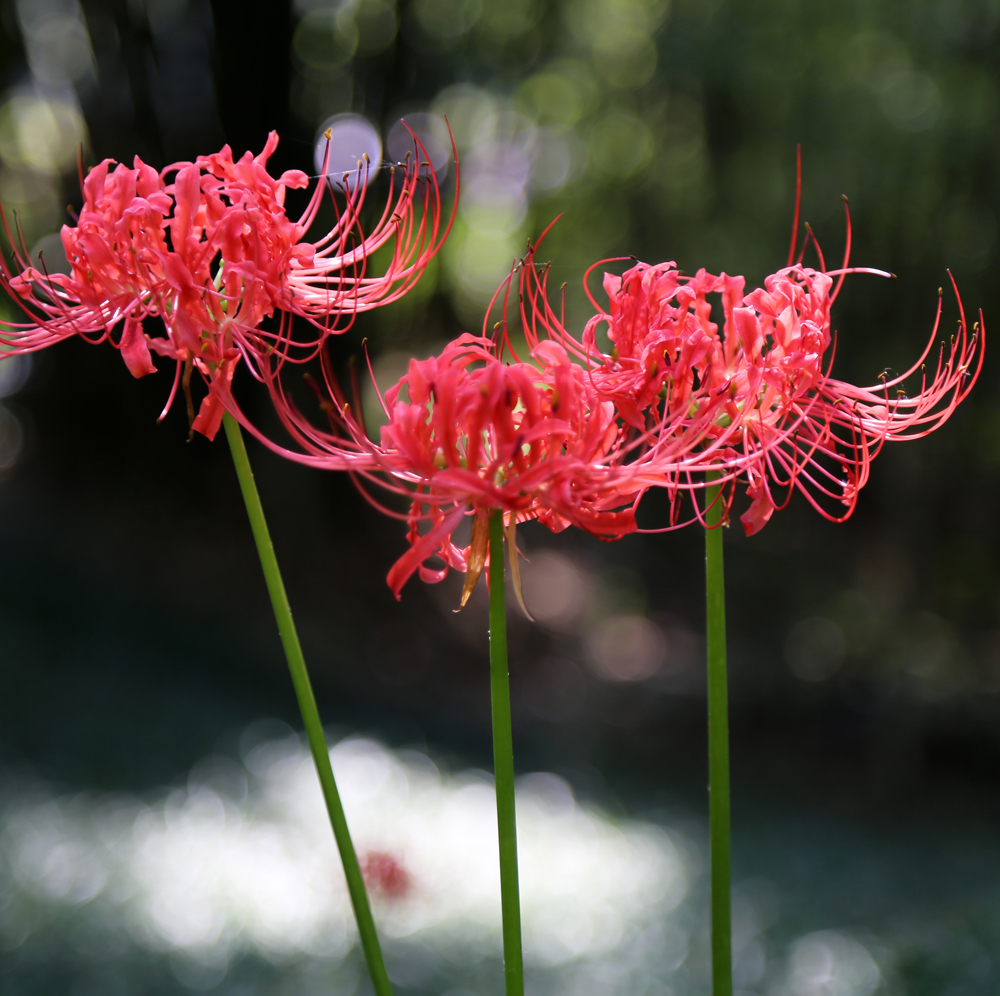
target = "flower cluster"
x: 575, y: 434
x: 207, y: 248
x: 700, y: 384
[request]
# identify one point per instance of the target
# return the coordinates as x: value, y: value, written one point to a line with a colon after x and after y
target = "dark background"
x: 865, y: 657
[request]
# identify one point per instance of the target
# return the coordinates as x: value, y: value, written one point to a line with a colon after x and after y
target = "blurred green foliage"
x: 669, y: 131
x: 665, y: 131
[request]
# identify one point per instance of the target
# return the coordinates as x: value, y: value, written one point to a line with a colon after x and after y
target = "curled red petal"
x: 135, y: 350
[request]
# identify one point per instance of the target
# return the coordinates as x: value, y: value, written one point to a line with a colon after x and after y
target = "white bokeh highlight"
x: 244, y: 861
x: 352, y: 139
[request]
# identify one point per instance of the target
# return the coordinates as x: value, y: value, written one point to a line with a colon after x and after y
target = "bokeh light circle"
x: 432, y: 132
x: 352, y: 137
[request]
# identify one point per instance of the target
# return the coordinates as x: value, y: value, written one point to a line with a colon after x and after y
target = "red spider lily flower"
x: 806, y: 430
x: 468, y: 435
x: 762, y: 387
x: 213, y: 255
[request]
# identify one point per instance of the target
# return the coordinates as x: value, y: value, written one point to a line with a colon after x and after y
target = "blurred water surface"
x: 231, y: 884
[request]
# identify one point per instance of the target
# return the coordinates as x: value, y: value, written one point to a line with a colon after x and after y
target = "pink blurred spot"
x: 384, y: 875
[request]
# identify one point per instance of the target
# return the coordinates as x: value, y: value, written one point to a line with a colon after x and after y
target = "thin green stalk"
x: 503, y: 766
x: 718, y: 748
x: 307, y: 706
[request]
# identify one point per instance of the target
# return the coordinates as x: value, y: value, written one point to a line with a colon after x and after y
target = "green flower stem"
x: 307, y: 706
x: 718, y: 748
x: 503, y: 766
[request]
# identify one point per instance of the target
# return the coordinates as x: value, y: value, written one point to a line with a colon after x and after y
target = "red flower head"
x: 469, y: 434
x: 758, y: 399
x: 213, y: 254
x: 806, y: 430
